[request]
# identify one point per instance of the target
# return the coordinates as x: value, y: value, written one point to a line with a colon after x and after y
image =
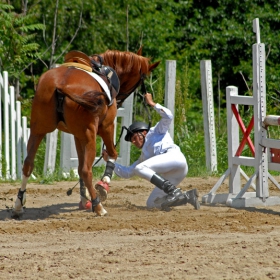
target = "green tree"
x: 18, y: 46
x: 221, y: 30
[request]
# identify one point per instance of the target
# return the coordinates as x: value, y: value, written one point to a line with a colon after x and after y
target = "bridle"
x: 140, y: 82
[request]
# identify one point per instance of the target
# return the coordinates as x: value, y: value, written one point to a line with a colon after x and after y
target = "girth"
x: 59, y: 106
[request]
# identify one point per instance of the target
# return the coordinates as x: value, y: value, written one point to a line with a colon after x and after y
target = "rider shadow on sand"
x: 41, y: 213
x: 127, y: 205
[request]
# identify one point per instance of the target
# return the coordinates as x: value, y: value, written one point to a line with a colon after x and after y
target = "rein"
x: 144, y: 91
x: 140, y: 82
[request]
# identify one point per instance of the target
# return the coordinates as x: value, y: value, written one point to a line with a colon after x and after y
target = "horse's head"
x: 131, y: 68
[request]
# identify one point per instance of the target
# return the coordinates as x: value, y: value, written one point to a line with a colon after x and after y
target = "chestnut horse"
x: 86, y: 113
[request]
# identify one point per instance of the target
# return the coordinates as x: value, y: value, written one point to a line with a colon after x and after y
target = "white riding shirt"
x: 159, y: 155
x: 157, y: 141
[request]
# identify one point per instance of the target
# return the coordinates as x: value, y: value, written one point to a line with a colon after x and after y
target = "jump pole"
x: 260, y: 147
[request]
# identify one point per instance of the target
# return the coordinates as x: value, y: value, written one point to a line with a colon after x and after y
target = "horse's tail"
x: 91, y: 100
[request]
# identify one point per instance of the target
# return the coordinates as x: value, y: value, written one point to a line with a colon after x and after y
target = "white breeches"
x: 171, y: 165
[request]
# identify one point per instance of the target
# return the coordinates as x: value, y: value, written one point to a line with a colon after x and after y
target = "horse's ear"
x: 153, y: 66
x: 139, y: 52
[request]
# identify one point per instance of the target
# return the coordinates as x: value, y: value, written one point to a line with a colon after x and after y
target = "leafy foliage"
x: 185, y: 31
x: 17, y: 44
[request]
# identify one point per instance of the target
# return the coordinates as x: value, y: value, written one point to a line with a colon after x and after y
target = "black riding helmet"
x: 135, y: 127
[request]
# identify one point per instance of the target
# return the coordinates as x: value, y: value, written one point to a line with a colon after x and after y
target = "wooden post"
x: 208, y: 115
x: 19, y: 140
x: 6, y: 101
x: 170, y: 83
x: 68, y: 154
x: 233, y: 142
x: 1, y: 94
x: 125, y: 113
x: 13, y: 134
x: 259, y: 92
x: 25, y: 136
x: 50, y: 153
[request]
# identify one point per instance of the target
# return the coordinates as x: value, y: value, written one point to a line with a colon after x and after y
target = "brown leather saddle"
x: 80, y: 60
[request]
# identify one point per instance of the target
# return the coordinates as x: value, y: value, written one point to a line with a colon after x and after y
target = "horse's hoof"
x: 86, y: 206
x: 99, y: 210
x: 102, y: 189
x: 17, y: 214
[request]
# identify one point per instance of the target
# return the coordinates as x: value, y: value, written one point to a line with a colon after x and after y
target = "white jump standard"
x: 263, y: 158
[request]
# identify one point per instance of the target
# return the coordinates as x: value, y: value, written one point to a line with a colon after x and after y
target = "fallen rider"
x: 161, y: 161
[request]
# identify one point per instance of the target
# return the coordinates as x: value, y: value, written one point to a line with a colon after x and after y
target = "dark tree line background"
x: 186, y: 31
x: 38, y: 33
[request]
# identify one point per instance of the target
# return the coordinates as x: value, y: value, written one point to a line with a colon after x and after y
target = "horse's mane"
x: 126, y: 62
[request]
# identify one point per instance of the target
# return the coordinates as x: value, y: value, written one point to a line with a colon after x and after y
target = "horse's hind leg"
x: 84, y: 194
x: 28, y: 166
x: 86, y: 154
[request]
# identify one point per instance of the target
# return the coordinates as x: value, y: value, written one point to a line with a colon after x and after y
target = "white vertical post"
x: 12, y: 133
x: 6, y: 101
x: 126, y: 113
x: 233, y: 142
x: 256, y: 29
x: 259, y: 92
x: 68, y: 155
x: 208, y: 115
x: 1, y: 94
x: 24, y: 137
x: 170, y: 83
x: 50, y: 153
x: 19, y: 139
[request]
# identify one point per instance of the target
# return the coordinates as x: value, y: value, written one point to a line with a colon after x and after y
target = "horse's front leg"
x: 86, y: 174
x: 102, y: 186
x: 28, y: 166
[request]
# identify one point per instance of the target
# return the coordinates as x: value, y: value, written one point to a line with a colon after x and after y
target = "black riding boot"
x: 190, y: 197
x: 174, y: 195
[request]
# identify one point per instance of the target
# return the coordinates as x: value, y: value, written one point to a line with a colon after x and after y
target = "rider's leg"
x: 172, y: 164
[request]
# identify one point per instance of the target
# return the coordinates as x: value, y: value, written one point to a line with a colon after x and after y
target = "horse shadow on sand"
x: 41, y: 213
x: 56, y: 211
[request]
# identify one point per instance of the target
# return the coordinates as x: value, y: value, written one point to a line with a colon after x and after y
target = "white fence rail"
x: 13, y: 132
